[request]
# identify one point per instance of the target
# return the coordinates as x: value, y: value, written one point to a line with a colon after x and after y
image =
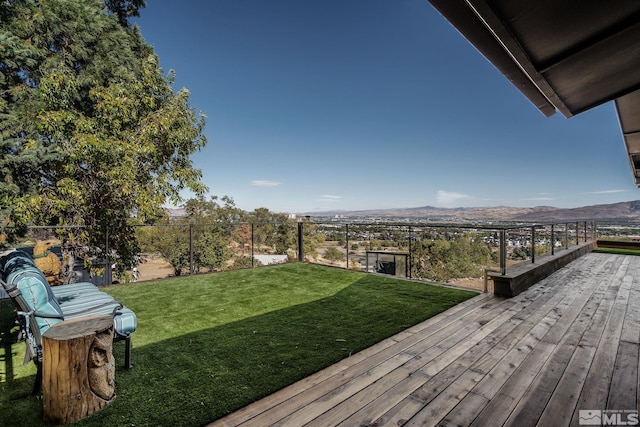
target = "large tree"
x: 91, y: 131
x: 450, y: 257
x: 273, y: 232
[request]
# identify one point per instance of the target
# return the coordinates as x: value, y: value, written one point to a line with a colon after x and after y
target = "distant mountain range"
x: 623, y: 211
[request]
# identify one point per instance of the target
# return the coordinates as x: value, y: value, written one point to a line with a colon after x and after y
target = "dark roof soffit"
x: 561, y: 56
x: 628, y: 107
x: 469, y: 25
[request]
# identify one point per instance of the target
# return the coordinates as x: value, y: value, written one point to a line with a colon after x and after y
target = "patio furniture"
x: 41, y: 306
x: 78, y: 370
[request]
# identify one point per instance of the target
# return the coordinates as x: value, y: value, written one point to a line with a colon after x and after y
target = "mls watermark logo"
x: 609, y: 417
x: 590, y: 417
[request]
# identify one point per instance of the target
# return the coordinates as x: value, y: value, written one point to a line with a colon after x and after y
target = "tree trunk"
x: 78, y: 369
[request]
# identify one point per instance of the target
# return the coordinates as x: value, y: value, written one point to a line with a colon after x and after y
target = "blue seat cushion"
x: 37, y: 294
x: 85, y: 299
x: 53, y: 305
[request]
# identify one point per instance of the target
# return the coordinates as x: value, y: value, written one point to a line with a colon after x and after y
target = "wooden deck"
x: 569, y: 343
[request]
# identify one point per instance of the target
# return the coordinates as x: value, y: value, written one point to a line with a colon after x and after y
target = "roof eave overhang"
x: 602, y: 66
x: 474, y: 28
x: 627, y: 108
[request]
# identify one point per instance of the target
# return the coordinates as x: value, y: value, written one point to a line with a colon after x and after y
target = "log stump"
x: 78, y: 369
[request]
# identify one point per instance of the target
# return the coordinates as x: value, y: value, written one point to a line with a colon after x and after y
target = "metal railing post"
x: 190, y: 249
x: 503, y: 252
x: 347, y: 244
x: 410, y: 251
x: 300, y: 242
x: 252, y: 246
x: 553, y: 241
x: 566, y: 235
x: 533, y: 244
x: 406, y: 268
x: 577, y: 233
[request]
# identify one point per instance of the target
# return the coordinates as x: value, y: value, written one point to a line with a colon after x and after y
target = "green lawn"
x: 617, y: 251
x: 209, y: 344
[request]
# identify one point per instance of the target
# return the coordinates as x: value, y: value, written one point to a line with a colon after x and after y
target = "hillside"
x: 617, y: 211
x: 627, y: 211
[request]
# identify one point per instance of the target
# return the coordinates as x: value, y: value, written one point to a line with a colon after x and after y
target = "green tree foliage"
x: 208, y: 229
x: 213, y: 226
x: 333, y: 255
x: 245, y: 262
x: 263, y: 229
x: 312, y: 239
x: 285, y: 239
x: 220, y: 210
x: 456, y: 256
x: 543, y: 248
x: 521, y: 252
x: 169, y: 238
x: 220, y: 233
x: 272, y: 232
x: 91, y: 130
x: 242, y: 237
x: 124, y: 9
x: 212, y: 248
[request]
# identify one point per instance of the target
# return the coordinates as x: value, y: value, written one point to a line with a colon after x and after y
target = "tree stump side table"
x: 78, y: 369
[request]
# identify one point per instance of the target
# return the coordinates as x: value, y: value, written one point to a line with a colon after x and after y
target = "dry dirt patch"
x: 155, y: 267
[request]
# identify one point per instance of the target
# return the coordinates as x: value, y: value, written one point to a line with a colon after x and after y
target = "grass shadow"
x: 197, y: 377
x: 8, y: 336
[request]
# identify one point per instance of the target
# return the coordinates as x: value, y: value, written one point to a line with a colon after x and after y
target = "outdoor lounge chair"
x: 40, y: 306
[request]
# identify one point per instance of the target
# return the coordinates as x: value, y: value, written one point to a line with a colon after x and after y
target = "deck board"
x: 562, y: 404
x: 624, y: 382
x: 570, y: 342
x: 595, y: 391
x: 566, y: 334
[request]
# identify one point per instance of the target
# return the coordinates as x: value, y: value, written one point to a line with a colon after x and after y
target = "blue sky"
x: 319, y: 105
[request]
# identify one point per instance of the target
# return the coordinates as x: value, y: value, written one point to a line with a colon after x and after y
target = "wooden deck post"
x: 78, y: 372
